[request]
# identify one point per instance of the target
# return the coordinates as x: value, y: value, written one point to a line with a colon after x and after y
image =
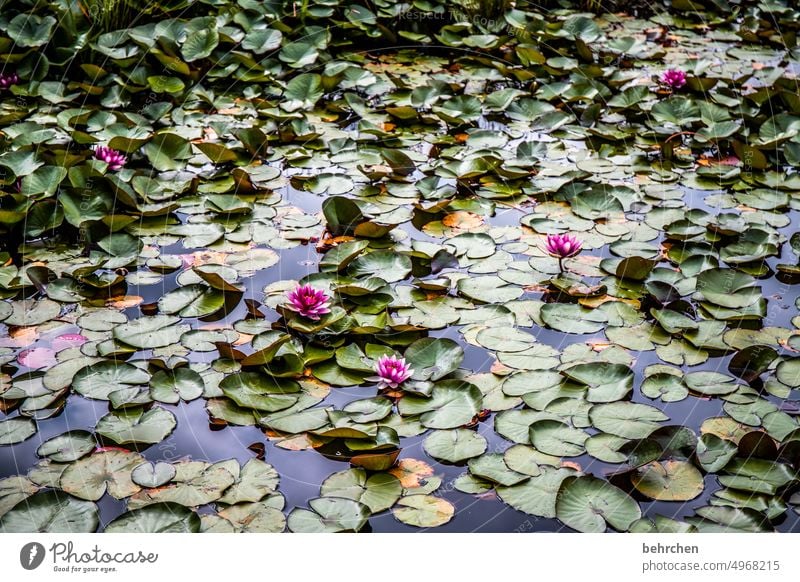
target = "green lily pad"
x: 452, y: 403
x: 626, y: 419
x: 51, y: 512
x: 433, y: 358
x: 590, y: 505
x: 153, y: 474
x: 668, y: 480
x: 424, y: 511
x: 378, y: 491
x: 329, y: 515
x: 15, y: 430
x: 134, y: 425
x: 107, y: 471
x: 455, y: 446
x: 156, y: 518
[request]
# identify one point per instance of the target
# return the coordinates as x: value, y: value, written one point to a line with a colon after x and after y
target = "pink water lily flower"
x: 8, y: 79
x: 309, y: 302
x: 113, y: 158
x: 674, y: 78
x: 392, y: 371
x: 563, y: 246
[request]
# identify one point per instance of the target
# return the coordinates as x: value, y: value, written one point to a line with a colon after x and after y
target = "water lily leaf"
x: 488, y: 289
x: 667, y: 387
x: 378, y: 491
x: 15, y: 430
x: 424, y: 510
x: 728, y: 519
x: 29, y: 312
x: 606, y: 382
x: 788, y: 372
x: 728, y: 288
x: 668, y: 480
x: 254, y: 518
x: 134, y: 425
x: 30, y: 30
x: 259, y: 391
x: 492, y: 467
x: 51, y: 512
x: 626, y: 419
x: 536, y: 496
x: 106, y: 471
x: 713, y: 452
x: 99, y: 380
x: 710, y: 383
x: 589, y: 505
x: 390, y: 265
x: 452, y: 403
x: 572, y: 318
x: 329, y: 515
x: 153, y: 474
x: 757, y: 475
x: 558, y: 438
x: 305, y: 89
x: 256, y: 480
x: 157, y: 331
x: 459, y: 110
x: 156, y: 518
x: 172, y: 386
x: 192, y: 301
x: 433, y: 358
x: 199, y: 44
x: 67, y: 447
x: 369, y: 409
x: 454, y: 446
x: 13, y: 490
x: 198, y: 488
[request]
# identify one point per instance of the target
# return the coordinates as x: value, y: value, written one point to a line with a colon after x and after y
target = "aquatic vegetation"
x: 563, y: 246
x: 309, y: 302
x: 8, y: 79
x: 391, y: 371
x: 674, y: 78
x: 315, y: 252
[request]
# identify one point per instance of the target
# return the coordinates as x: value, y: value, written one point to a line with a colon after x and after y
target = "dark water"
x: 302, y: 472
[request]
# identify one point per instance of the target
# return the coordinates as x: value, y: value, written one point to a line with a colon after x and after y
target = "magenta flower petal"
x: 309, y: 302
x: 392, y: 371
x: 563, y: 245
x: 674, y: 78
x: 8, y: 79
x: 113, y: 158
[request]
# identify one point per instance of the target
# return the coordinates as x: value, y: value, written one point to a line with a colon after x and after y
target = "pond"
x: 273, y: 272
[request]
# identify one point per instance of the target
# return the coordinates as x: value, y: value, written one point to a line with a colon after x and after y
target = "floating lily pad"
x: 153, y: 474
x: 378, y: 491
x: 589, y: 504
x: 137, y: 426
x: 51, y: 512
x: 424, y: 511
x: 452, y: 403
x: 329, y: 515
x: 107, y: 471
x: 156, y: 518
x: 454, y: 446
x: 15, y: 430
x: 668, y: 481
